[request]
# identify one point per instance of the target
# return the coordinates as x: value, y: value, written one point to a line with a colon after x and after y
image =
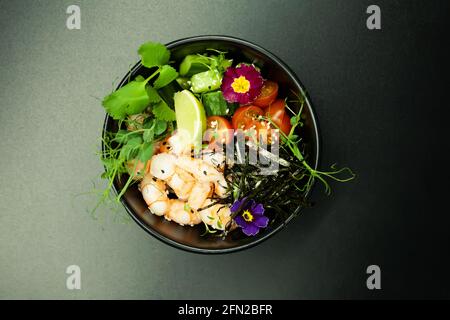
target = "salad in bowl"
x: 211, y: 144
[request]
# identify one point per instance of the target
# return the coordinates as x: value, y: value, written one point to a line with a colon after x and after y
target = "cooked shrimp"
x: 179, y: 213
x: 199, y: 169
x: 189, y: 164
x: 181, y: 183
x: 193, y: 180
x: 208, y: 173
x: 180, y: 143
x: 160, y: 207
x: 200, y: 192
x: 221, y: 187
x: 216, y: 216
x: 154, y: 194
x: 214, y: 158
x: 138, y: 169
x: 224, y: 214
x: 163, y: 166
x: 165, y: 147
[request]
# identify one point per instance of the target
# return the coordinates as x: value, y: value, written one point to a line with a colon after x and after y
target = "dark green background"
x: 376, y: 94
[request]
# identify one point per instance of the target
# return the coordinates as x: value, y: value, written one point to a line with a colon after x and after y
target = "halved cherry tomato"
x: 268, y: 94
x: 246, y: 117
x: 218, y: 129
x: 277, y: 113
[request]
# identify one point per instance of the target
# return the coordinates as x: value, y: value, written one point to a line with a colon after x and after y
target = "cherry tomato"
x: 218, y: 127
x: 277, y: 113
x: 246, y: 117
x: 268, y: 94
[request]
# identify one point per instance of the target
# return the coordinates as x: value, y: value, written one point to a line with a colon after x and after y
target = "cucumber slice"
x: 206, y: 81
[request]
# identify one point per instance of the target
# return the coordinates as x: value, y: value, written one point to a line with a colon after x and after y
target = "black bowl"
x: 190, y: 238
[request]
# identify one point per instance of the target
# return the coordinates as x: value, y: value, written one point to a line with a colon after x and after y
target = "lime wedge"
x: 191, y: 118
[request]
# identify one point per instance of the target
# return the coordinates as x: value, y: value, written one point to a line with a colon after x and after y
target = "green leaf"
x: 148, y: 135
x: 146, y: 152
x: 166, y: 76
x: 225, y: 64
x: 163, y: 112
x: 130, y: 149
x: 214, y: 103
x: 294, y: 120
x: 153, y: 95
x: 160, y: 127
x: 167, y: 92
x: 121, y: 136
x: 129, y: 99
x: 148, y: 123
x: 115, y: 106
x: 134, y: 142
x: 197, y: 63
x: 110, y: 163
x: 220, y: 63
x: 154, y: 54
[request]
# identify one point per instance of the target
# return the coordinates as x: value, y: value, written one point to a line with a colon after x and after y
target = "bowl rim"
x: 317, y: 135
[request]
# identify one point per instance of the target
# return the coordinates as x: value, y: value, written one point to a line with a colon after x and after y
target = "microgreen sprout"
x: 290, y: 141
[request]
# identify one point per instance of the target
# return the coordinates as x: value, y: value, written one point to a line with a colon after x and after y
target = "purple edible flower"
x: 242, y: 84
x: 251, y: 216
